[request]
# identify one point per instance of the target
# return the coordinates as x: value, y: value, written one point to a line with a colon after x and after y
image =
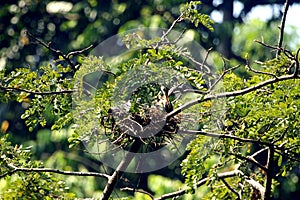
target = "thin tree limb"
x: 231, y: 94
x: 249, y: 159
x: 216, y: 135
x: 231, y: 189
x: 57, y: 171
x: 282, y: 26
x: 137, y: 190
x: 35, y: 92
x: 222, y: 175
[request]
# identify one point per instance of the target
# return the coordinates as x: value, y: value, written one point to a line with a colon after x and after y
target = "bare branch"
x: 257, y: 71
x: 222, y: 76
x: 35, y: 92
x: 66, y: 57
x: 57, y: 171
x: 249, y: 159
x: 206, y: 56
x: 216, y: 135
x: 74, y: 53
x: 231, y: 189
x: 293, y: 158
x: 171, y: 27
x: 198, y: 184
x: 137, y: 190
x: 288, y: 53
x: 282, y: 25
x: 201, y: 66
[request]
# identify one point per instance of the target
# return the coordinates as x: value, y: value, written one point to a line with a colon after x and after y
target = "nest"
x: 149, y: 126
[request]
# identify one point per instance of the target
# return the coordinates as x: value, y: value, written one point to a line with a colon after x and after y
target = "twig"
x: 137, y: 190
x: 206, y: 56
x: 198, y: 184
x: 257, y: 71
x: 201, y: 66
x: 171, y: 27
x: 231, y: 189
x: 249, y: 159
x: 289, y: 54
x: 35, y: 92
x: 293, y: 158
x: 74, y: 53
x: 216, y: 135
x: 221, y: 77
x: 281, y: 136
x: 56, y: 51
x: 57, y: 171
x: 282, y: 25
x: 66, y: 57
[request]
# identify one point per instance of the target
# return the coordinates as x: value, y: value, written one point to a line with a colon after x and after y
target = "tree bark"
x: 119, y: 171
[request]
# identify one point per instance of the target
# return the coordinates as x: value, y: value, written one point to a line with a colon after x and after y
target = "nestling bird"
x: 164, y: 101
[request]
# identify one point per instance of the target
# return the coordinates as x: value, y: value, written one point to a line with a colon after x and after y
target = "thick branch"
x: 270, y: 165
x: 120, y: 170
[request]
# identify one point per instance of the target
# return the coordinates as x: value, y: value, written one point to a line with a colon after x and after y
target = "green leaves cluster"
x: 38, y: 91
x: 191, y: 12
x: 24, y: 185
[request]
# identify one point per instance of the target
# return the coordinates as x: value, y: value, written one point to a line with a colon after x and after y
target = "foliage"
x: 255, y: 134
x: 22, y: 185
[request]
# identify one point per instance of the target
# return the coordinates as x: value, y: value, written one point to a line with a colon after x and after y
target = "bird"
x: 163, y: 100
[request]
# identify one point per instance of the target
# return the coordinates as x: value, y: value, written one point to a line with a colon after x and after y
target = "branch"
x: 282, y: 25
x: 137, y: 190
x: 231, y: 94
x: 74, y: 53
x: 57, y: 52
x: 216, y: 135
x: 256, y: 185
x: 198, y: 184
x: 221, y: 76
x: 293, y: 158
x: 270, y: 165
x: 35, y: 92
x: 112, y: 181
x: 66, y: 57
x: 231, y: 189
x: 297, y: 62
x: 257, y: 71
x: 288, y: 53
x: 171, y: 27
x: 57, y: 171
x: 249, y: 159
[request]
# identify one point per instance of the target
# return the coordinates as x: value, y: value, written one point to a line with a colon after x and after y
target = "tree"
x: 237, y: 148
